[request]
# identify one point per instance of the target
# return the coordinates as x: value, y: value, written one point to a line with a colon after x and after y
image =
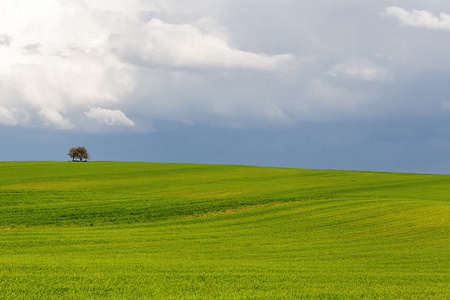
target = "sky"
x: 349, y: 85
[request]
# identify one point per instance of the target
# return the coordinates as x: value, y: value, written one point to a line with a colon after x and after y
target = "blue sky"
x: 308, y: 84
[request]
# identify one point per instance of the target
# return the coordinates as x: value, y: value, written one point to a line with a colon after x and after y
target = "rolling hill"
x: 122, y: 230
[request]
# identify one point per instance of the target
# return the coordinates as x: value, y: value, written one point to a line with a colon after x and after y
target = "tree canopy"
x: 79, y: 153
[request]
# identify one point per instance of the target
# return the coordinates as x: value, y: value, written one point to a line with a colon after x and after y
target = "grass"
x: 110, y: 230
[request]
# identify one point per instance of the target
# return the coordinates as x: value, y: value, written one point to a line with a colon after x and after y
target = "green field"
x: 116, y: 230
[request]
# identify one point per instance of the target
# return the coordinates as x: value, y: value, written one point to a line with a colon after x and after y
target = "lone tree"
x: 79, y: 153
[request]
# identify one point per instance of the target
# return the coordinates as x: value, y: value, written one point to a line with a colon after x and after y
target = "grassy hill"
x: 115, y: 230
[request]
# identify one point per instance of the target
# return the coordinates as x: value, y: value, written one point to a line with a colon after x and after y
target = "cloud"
x: 32, y: 48
x: 109, y: 117
x: 63, y: 63
x: 72, y: 56
x: 358, y: 68
x: 419, y: 18
x: 7, y: 117
x: 186, y: 46
x: 5, y: 40
x: 55, y: 118
x: 60, y: 61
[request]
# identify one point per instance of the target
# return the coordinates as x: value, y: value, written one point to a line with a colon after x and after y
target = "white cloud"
x: 7, y: 117
x: 55, y: 118
x: 419, y: 18
x: 5, y: 40
x: 186, y: 46
x: 358, y: 68
x: 69, y: 56
x: 62, y: 63
x: 109, y: 117
x: 60, y: 60
x: 32, y: 48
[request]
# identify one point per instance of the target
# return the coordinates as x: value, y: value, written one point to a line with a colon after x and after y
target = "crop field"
x: 117, y: 230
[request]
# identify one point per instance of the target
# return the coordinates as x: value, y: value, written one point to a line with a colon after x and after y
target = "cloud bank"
x: 58, y: 59
x: 222, y: 63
